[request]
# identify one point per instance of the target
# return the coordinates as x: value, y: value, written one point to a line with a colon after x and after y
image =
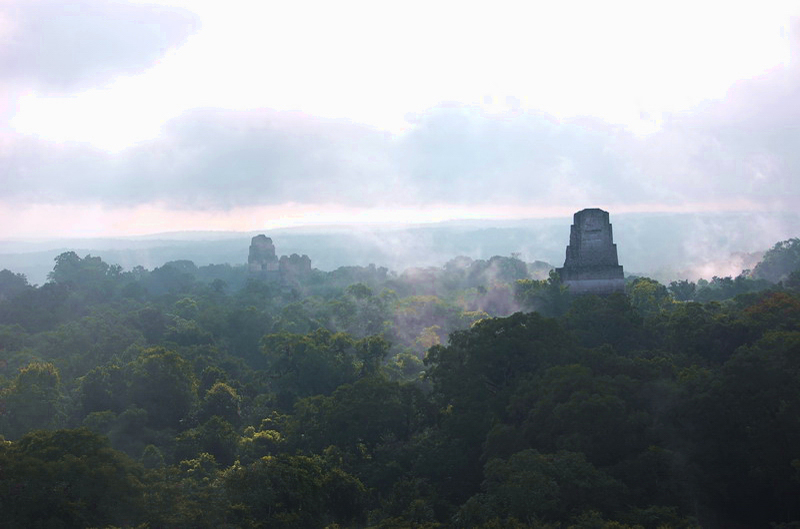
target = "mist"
x: 665, y: 247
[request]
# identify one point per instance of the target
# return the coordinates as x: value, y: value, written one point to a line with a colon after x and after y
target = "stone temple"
x: 591, y: 266
x: 262, y: 262
x: 262, y: 258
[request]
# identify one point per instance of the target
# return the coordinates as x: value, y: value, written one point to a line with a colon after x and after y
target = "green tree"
x: 291, y: 491
x: 103, y: 388
x: 722, y: 288
x: 358, y: 416
x: 245, y: 326
x: 415, y: 315
x: 549, y: 297
x: 68, y: 478
x: 11, y: 284
x: 682, y: 290
x: 743, y: 429
x: 163, y: 384
x: 310, y: 364
x: 648, y: 296
x: 175, y: 277
x: 78, y: 346
x: 70, y: 268
x: 779, y: 261
x: 473, y: 378
x: 533, y: 487
x: 185, y: 495
x: 38, y: 309
x: 371, y: 351
x: 703, y: 332
x: 216, y: 436
x: 479, y: 368
x: 611, y: 320
x: 571, y: 407
x: 222, y: 401
x: 91, y: 276
x: 32, y: 400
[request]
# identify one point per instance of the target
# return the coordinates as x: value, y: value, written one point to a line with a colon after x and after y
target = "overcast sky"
x: 131, y: 117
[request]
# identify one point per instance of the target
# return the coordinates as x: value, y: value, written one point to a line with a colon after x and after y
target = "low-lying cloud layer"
x: 222, y: 159
x: 212, y: 158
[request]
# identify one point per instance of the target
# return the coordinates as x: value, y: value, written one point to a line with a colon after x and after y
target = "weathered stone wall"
x: 262, y: 262
x: 591, y: 265
x: 294, y: 267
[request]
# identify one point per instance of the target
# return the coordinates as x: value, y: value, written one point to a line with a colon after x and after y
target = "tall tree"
x: 32, y: 400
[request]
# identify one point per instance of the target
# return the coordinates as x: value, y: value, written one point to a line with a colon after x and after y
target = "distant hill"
x: 663, y: 246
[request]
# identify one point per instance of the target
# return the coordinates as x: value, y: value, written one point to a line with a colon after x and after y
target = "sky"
x: 129, y: 118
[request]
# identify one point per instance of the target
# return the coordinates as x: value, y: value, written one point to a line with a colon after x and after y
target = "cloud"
x: 215, y: 158
x: 740, y: 150
x: 742, y: 146
x: 733, y: 151
x: 56, y: 46
x: 221, y: 159
x: 208, y: 159
x: 467, y: 155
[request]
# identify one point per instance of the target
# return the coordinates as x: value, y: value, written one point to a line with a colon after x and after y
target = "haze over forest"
x: 665, y: 247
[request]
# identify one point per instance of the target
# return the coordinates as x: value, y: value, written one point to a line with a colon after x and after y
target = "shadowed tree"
x: 32, y: 400
x: 11, y: 284
x: 68, y: 478
x: 682, y: 290
x: 549, y: 297
x: 779, y: 261
x: 292, y: 491
x: 162, y: 383
x: 311, y: 364
x: 533, y: 487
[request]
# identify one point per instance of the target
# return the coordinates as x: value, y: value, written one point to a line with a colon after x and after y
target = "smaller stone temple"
x: 591, y: 266
x: 264, y: 263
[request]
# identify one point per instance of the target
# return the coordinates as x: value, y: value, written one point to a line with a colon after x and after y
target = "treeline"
x: 479, y: 394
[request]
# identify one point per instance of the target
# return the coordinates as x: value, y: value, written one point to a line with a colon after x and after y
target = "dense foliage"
x: 479, y: 394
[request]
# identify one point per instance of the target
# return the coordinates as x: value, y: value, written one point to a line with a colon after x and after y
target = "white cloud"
x: 375, y: 62
x: 216, y: 159
x: 54, y: 46
x: 621, y: 105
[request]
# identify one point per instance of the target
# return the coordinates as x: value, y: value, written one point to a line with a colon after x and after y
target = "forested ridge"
x: 478, y: 394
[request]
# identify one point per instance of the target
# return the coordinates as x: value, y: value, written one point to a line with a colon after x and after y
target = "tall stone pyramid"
x: 591, y: 266
x: 262, y: 258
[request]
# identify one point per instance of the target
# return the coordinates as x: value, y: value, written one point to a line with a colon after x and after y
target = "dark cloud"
x: 210, y: 159
x: 60, y: 46
x: 221, y: 159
